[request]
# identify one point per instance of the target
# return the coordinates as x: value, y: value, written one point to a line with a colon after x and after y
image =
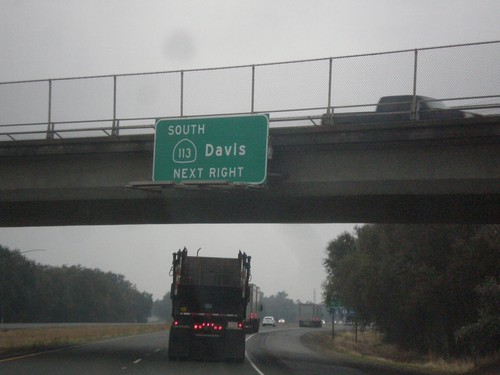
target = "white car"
x: 268, y: 321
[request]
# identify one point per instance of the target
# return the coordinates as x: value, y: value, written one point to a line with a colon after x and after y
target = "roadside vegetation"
x: 371, y: 351
x: 27, y: 340
x: 431, y: 290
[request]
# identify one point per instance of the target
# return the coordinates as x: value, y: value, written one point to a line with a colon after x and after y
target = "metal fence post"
x: 114, y: 128
x: 50, y: 126
x: 413, y: 115
x: 253, y: 90
x: 329, y: 111
x: 182, y: 93
x: 330, y: 86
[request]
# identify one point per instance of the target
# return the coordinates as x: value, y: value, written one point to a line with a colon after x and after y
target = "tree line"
x: 30, y: 292
x: 281, y: 307
x: 431, y: 288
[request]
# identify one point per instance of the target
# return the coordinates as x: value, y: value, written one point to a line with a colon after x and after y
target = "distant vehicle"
x: 310, y: 315
x: 268, y: 321
x: 209, y: 298
x: 254, y: 309
x: 281, y: 321
x: 398, y: 108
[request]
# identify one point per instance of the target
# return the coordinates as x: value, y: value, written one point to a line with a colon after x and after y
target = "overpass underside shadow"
x: 255, y: 207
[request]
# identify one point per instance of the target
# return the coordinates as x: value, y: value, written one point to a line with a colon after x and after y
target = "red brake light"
x: 207, y: 327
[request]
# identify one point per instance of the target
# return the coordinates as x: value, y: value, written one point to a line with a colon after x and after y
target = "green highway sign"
x: 231, y: 149
x: 335, y: 303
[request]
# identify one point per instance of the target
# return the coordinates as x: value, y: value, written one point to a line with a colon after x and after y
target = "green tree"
x: 163, y: 308
x: 17, y: 282
x: 30, y: 292
x: 416, y: 282
x: 280, y: 307
x: 336, y: 251
x: 483, y: 336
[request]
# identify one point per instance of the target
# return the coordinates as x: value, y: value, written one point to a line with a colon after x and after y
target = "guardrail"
x: 292, y: 92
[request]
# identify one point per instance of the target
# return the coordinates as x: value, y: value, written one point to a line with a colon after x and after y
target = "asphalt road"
x: 272, y: 351
x: 279, y: 351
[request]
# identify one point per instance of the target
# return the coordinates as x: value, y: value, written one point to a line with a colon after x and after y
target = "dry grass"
x: 29, y: 339
x: 370, y: 349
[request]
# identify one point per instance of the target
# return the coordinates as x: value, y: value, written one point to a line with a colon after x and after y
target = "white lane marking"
x: 249, y: 360
x: 157, y: 350
x: 33, y: 354
x: 137, y: 361
x: 71, y: 347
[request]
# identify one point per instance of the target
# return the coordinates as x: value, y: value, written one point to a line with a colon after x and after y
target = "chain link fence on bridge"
x: 292, y: 93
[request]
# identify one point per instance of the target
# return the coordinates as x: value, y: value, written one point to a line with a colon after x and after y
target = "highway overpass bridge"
x: 399, y: 173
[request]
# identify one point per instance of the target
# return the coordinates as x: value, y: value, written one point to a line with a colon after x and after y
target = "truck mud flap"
x: 179, y: 342
x: 207, y: 347
x: 234, y: 343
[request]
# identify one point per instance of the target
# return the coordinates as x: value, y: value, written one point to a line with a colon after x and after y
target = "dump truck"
x: 209, y: 300
x: 254, y: 310
x: 310, y: 315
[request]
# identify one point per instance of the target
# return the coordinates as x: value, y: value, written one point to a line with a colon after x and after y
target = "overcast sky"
x: 42, y: 39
